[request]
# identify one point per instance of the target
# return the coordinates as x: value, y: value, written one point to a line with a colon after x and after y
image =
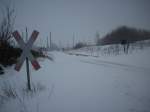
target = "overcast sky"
x: 82, y: 17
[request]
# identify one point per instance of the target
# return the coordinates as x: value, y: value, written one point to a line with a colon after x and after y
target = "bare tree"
x: 7, y: 23
x: 8, y: 54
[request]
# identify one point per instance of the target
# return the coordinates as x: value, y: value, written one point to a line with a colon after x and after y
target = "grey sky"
x: 83, y: 17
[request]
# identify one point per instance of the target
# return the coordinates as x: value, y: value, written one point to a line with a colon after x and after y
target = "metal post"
x: 28, y: 74
x: 27, y: 66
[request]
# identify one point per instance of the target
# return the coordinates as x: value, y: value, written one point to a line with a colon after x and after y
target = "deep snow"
x: 85, y: 84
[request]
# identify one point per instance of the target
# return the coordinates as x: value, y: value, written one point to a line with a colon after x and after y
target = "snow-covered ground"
x: 84, y: 84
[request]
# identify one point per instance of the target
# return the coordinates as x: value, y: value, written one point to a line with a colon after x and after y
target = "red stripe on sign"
x: 34, y: 34
x: 35, y: 64
x: 16, y: 35
x: 18, y: 66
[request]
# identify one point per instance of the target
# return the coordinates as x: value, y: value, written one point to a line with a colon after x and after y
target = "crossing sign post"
x: 26, y: 53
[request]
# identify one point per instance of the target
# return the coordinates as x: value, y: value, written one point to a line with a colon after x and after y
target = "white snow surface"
x: 84, y: 84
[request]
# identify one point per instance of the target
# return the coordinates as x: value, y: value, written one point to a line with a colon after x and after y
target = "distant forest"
x: 123, y: 35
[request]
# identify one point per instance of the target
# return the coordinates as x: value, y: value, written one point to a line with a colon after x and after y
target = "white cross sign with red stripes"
x: 26, y: 47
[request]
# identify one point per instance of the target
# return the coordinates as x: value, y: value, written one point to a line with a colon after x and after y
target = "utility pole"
x: 23, y: 35
x: 60, y: 45
x: 47, y: 43
x: 73, y: 40
x: 26, y: 35
x: 41, y: 42
x: 50, y: 41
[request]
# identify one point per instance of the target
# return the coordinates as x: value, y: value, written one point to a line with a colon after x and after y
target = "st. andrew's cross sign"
x: 26, y: 54
x: 26, y: 48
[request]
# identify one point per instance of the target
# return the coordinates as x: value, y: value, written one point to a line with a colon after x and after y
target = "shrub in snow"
x: 79, y: 45
x: 1, y: 70
x: 35, y: 88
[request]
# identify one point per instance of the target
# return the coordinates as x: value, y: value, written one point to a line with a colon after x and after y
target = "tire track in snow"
x: 117, y: 65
